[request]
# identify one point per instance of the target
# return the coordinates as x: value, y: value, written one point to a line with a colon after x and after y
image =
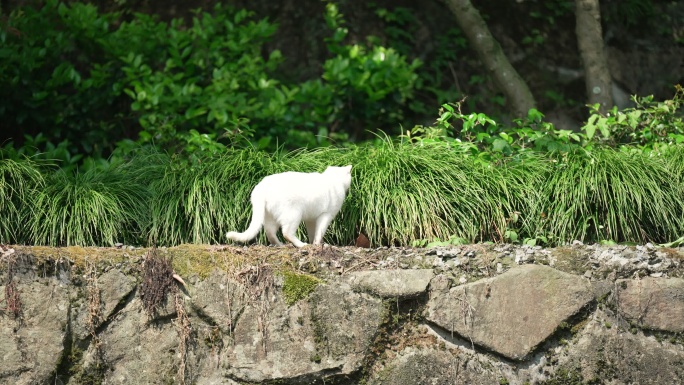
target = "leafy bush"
x: 401, y: 27
x: 487, y: 139
x: 362, y: 88
x: 89, y: 82
x: 648, y: 125
x: 366, y: 81
x: 56, y: 76
x: 203, y: 78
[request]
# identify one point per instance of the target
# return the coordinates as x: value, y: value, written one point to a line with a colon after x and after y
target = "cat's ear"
x: 348, y: 168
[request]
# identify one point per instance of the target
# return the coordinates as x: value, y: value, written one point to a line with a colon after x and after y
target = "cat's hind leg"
x: 290, y: 232
x: 271, y: 230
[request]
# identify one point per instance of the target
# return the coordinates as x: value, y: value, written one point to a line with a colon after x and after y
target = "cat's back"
x: 291, y: 180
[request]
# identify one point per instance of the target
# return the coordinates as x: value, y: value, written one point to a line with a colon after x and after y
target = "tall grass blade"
x: 612, y: 195
x: 88, y: 208
x: 19, y: 179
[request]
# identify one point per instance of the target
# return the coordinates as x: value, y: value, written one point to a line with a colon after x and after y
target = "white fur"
x: 285, y: 200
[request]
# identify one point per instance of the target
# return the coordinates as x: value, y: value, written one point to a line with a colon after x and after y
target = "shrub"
x: 203, y: 78
x: 57, y: 76
x: 648, y: 125
x: 371, y: 84
x: 193, y: 89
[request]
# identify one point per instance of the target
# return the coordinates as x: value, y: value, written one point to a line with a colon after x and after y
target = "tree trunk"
x: 518, y: 95
x: 592, y: 51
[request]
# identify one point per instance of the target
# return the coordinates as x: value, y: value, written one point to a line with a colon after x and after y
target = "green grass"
x: 96, y: 207
x: 18, y: 181
x: 199, y: 203
x: 516, y: 185
x: 400, y: 192
x: 674, y: 160
x: 612, y: 195
x: 196, y: 204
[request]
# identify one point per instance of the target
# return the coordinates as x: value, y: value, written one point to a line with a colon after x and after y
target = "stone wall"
x: 478, y: 314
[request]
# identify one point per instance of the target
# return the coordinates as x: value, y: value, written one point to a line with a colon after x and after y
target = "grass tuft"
x: 612, y: 195
x: 95, y: 207
x: 19, y: 179
x: 401, y: 192
x: 200, y: 203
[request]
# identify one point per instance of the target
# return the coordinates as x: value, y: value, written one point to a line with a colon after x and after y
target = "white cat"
x: 285, y: 200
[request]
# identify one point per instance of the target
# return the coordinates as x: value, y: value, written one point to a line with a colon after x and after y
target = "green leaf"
x: 590, y: 127
x: 534, y: 115
x: 621, y: 118
x: 354, y: 51
x: 499, y: 145
x: 195, y: 112
x: 511, y: 235
x: 603, y: 127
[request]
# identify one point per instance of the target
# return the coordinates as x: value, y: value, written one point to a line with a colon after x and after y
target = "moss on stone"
x: 579, y: 326
x: 76, y: 256
x: 187, y: 259
x: 297, y: 286
x: 566, y: 376
x: 570, y: 260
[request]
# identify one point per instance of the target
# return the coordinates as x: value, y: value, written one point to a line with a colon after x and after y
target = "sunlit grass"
x: 400, y: 192
x: 611, y: 195
x: 194, y: 204
x: 403, y: 192
x: 18, y: 181
x: 199, y: 203
x: 674, y: 159
x: 516, y: 184
x: 89, y: 208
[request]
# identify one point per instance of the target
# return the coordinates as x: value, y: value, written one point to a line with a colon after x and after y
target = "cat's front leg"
x: 322, y: 224
x: 310, y: 229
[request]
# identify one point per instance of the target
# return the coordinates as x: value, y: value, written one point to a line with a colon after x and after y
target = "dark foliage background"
x: 81, y: 80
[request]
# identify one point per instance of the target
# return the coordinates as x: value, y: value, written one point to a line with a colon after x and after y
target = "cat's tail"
x: 258, y: 212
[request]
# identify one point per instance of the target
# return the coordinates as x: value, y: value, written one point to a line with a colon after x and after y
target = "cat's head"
x: 342, y: 174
